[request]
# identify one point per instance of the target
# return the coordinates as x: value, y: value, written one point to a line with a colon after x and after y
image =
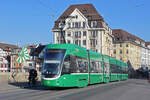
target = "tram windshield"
x: 52, y: 62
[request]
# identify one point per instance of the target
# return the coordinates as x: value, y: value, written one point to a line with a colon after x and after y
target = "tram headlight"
x: 64, y: 78
x: 57, y: 82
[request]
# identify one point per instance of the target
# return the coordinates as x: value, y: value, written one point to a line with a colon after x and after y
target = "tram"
x: 69, y: 65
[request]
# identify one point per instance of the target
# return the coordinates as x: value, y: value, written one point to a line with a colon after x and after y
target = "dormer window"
x: 94, y: 24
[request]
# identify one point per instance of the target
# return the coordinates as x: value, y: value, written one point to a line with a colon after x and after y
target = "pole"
x: 61, y: 31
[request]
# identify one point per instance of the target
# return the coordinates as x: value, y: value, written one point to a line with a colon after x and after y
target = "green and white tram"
x: 69, y: 65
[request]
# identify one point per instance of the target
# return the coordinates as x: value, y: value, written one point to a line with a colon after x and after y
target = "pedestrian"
x: 32, y: 77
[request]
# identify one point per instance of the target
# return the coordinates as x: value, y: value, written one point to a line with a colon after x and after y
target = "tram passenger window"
x: 126, y: 70
x: 113, y: 68
x: 100, y: 67
x: 119, y: 69
x: 73, y: 64
x: 66, y: 65
x: 82, y: 66
x: 95, y: 67
x: 106, y: 68
x: 123, y: 70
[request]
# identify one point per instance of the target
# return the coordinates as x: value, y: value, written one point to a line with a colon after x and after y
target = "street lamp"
x: 61, y: 26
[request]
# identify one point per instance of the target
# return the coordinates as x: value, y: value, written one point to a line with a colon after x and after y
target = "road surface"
x: 132, y: 89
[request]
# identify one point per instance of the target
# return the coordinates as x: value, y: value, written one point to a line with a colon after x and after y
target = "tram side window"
x: 66, y: 65
x: 82, y: 65
x: 123, y: 70
x: 113, y: 68
x: 126, y: 70
x: 98, y: 67
x: 95, y: 67
x: 119, y: 69
x: 106, y: 67
x: 73, y: 64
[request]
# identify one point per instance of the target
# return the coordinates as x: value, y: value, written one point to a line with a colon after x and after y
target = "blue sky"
x: 31, y: 21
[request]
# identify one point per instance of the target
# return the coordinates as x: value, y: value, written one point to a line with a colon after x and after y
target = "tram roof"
x: 71, y: 49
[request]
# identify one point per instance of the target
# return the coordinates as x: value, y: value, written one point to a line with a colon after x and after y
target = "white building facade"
x: 88, y: 30
x: 3, y: 62
x: 145, y: 56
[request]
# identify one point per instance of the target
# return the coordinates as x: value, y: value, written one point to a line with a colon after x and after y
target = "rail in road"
x: 124, y: 90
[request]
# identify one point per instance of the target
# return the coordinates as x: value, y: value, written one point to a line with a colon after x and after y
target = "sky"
x: 27, y: 22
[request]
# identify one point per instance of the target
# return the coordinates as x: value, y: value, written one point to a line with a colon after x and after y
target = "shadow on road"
x: 24, y: 85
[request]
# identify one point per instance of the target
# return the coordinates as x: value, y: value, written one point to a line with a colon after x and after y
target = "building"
x: 144, y: 56
x: 82, y: 25
x: 5, y: 56
x: 148, y: 54
x: 14, y: 65
x: 128, y: 48
x: 35, y: 61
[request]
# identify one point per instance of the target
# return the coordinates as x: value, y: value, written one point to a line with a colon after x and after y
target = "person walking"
x: 32, y: 77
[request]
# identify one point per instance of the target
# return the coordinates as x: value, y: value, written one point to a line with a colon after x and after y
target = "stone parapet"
x: 11, y: 77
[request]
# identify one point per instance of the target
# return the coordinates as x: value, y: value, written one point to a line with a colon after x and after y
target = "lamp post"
x: 61, y: 26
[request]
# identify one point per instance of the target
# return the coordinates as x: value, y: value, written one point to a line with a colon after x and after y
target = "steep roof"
x: 122, y: 35
x: 147, y: 43
x: 88, y: 10
x: 8, y: 46
x: 31, y: 46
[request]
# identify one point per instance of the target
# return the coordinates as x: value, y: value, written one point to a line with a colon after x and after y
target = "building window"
x: 76, y: 34
x: 120, y: 45
x: 76, y: 24
x: 79, y: 34
x: 83, y: 24
x: 84, y: 33
x: 120, y: 51
x: 94, y: 24
x: 79, y: 24
x: 96, y: 42
x: 76, y: 42
x: 115, y: 51
x: 106, y: 39
x: 84, y: 42
x: 69, y: 25
x: 69, y: 41
x: 93, y: 43
x: 94, y: 34
x: 14, y: 64
x: 30, y: 64
x: 73, y: 24
x: 79, y: 43
x: 127, y: 51
x: 69, y: 34
x: 120, y: 58
x: 114, y: 45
